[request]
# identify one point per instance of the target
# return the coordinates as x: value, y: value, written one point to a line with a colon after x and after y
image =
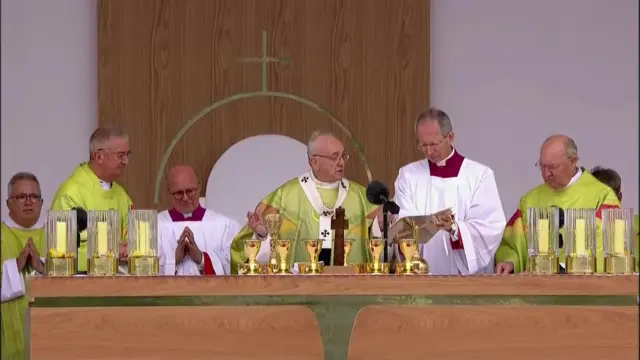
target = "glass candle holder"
x: 61, y: 234
x: 618, y: 241
x: 142, y: 242
x: 580, y: 230
x: 103, y: 237
x: 543, y: 240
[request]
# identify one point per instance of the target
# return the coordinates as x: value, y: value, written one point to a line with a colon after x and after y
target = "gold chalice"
x: 376, y: 247
x: 251, y: 249
x: 408, y: 248
x: 273, y: 222
x: 347, y: 250
x: 313, y: 247
x: 283, y: 249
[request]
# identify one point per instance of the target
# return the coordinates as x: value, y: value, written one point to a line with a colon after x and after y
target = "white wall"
x: 49, y: 88
x: 509, y: 72
x: 512, y: 72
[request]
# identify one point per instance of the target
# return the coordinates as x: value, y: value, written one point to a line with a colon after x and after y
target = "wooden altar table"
x: 334, y: 317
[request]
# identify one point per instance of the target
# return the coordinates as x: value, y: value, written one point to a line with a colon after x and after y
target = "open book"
x: 425, y: 225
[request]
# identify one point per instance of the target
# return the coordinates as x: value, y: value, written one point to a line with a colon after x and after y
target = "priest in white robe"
x: 192, y: 240
x: 467, y: 243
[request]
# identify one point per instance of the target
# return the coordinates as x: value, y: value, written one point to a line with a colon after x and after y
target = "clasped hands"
x: 30, y: 256
x: 187, y: 247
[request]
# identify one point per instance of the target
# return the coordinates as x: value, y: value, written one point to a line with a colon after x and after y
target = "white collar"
x: 574, y: 178
x: 444, y: 162
x: 106, y: 185
x: 12, y: 224
x: 322, y: 184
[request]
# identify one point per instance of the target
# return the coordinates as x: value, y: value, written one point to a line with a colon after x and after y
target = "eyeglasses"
x: 335, y: 158
x: 180, y: 193
x: 22, y: 198
x: 425, y: 147
x: 550, y: 167
x: 119, y: 155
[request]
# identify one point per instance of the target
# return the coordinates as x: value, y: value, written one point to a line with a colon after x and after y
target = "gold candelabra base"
x: 581, y: 264
x: 279, y: 269
x: 619, y: 264
x: 143, y: 266
x: 250, y: 269
x: 61, y: 266
x: 378, y: 268
x: 543, y: 264
x: 313, y: 268
x: 102, y: 266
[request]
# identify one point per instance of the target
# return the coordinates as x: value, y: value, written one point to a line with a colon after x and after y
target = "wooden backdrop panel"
x: 161, y: 62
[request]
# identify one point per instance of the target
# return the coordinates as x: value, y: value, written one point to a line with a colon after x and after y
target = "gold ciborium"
x: 348, y: 243
x: 313, y: 267
x: 273, y: 222
x: 282, y: 249
x: 408, y: 249
x: 376, y: 267
x: 251, y: 249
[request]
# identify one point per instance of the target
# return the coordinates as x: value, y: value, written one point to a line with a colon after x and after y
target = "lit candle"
x: 143, y: 237
x: 579, y: 237
x: 61, y: 237
x: 618, y: 236
x: 102, y: 238
x: 543, y: 236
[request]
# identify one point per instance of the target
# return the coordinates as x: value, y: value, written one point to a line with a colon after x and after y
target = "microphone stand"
x: 385, y: 229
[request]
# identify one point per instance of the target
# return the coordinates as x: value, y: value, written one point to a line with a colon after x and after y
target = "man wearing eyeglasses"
x: 93, y: 186
x: 307, y: 204
x: 22, y: 239
x: 470, y: 234
x: 566, y: 185
x: 193, y: 240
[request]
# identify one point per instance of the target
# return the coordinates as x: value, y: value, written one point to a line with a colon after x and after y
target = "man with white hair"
x: 307, y: 204
x: 93, y: 186
x: 470, y: 234
x: 566, y: 185
x: 22, y: 239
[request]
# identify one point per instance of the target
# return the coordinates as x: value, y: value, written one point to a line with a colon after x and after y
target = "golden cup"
x: 376, y: 247
x: 348, y: 243
x: 273, y: 222
x: 408, y: 248
x: 313, y: 248
x: 283, y: 249
x: 251, y: 249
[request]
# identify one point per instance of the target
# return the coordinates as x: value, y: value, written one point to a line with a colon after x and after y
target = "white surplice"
x: 213, y: 235
x: 469, y: 189
x: 12, y: 285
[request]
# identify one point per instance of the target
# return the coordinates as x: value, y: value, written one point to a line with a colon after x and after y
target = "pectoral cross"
x: 339, y: 224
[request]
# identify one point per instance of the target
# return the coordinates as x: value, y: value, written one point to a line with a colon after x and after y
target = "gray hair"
x: 22, y: 176
x: 311, y: 144
x: 101, y: 136
x: 571, y: 147
x: 435, y: 114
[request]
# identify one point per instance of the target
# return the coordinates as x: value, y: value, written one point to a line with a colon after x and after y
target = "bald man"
x: 566, y: 186
x: 193, y: 240
x: 307, y: 204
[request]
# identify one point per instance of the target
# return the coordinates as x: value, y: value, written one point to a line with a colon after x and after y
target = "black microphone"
x: 81, y: 221
x: 378, y: 194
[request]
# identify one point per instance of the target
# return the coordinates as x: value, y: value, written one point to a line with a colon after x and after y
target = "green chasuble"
x: 82, y: 189
x: 13, y: 311
x: 586, y: 192
x: 302, y: 221
x: 636, y: 231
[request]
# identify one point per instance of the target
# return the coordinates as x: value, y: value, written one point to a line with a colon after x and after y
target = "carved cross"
x: 339, y: 224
